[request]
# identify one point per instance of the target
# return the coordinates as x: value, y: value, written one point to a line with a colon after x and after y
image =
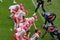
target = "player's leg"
x: 16, y: 23
x: 38, y: 5
x: 52, y: 35
x: 58, y: 34
x: 43, y: 6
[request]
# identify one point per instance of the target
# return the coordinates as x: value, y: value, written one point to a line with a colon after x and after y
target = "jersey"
x: 50, y: 15
x: 11, y: 8
x: 30, y: 20
x: 26, y: 28
x: 21, y: 25
x: 19, y: 31
x: 18, y: 16
x: 34, y: 36
x: 29, y: 23
x: 26, y: 25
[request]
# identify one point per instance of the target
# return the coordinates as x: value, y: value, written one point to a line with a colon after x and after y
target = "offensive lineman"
x: 22, y: 30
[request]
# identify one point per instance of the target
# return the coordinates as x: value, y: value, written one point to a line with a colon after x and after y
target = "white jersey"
x: 20, y: 31
x: 34, y: 36
x: 21, y: 25
x: 26, y: 27
x: 29, y: 19
x: 20, y: 15
x: 29, y: 23
x: 11, y: 8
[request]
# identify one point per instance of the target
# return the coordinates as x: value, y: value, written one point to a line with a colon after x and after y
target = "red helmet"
x: 35, y: 17
x: 21, y: 6
x: 26, y: 11
x: 39, y: 32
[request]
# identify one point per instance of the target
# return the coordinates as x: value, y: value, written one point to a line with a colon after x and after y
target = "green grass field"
x: 6, y: 23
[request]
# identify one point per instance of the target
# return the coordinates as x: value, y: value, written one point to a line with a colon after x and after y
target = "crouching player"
x: 49, y: 17
x: 50, y: 29
x: 36, y: 35
x: 13, y: 7
x: 53, y: 30
x: 18, y: 16
x: 22, y: 30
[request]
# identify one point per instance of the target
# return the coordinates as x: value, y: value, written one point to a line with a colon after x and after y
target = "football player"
x: 39, y: 3
x: 28, y: 23
x: 49, y: 17
x: 18, y: 16
x: 36, y: 35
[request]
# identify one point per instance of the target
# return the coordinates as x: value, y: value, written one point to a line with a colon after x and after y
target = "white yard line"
x: 38, y: 10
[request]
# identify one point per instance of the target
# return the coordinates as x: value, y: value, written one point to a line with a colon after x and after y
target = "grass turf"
x: 6, y: 23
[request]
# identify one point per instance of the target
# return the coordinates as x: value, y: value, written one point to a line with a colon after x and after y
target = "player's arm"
x: 35, y: 26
